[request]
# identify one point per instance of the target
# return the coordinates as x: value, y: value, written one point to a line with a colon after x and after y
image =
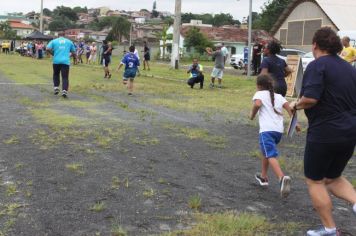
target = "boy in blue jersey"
x: 131, y: 63
x: 61, y: 49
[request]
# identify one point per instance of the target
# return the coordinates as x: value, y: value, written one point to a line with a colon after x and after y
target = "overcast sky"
x: 238, y: 9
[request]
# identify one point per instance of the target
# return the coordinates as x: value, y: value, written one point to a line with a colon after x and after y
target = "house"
x: 21, y: 28
x: 146, y: 32
x: 234, y: 38
x: 302, y: 18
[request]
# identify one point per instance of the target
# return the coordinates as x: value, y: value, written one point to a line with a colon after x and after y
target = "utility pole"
x: 249, y: 41
x: 130, y: 44
x: 176, y: 35
x: 41, y: 17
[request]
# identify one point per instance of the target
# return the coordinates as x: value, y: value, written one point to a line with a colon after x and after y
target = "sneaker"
x: 285, y: 186
x: 130, y: 94
x: 262, y: 181
x: 64, y: 93
x: 56, y: 90
x: 211, y: 85
x: 105, y: 76
x: 219, y: 86
x: 322, y: 232
x: 109, y: 76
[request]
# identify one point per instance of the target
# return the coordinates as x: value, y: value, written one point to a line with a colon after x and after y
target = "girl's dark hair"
x: 274, y: 47
x: 327, y: 40
x: 265, y: 82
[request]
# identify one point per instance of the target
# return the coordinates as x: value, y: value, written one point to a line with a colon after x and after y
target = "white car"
x: 306, y: 59
x: 237, y: 61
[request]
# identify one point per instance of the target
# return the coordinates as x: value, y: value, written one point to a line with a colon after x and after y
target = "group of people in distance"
x: 329, y: 101
x: 327, y: 96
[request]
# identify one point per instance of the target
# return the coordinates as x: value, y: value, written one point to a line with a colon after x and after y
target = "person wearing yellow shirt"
x: 348, y: 53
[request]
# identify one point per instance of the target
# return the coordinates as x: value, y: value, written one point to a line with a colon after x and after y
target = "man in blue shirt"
x: 61, y: 49
x: 131, y: 63
x: 196, y: 72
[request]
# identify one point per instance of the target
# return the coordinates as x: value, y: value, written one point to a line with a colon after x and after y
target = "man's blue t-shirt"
x: 276, y: 67
x: 130, y: 61
x: 195, y: 71
x: 331, y: 81
x: 61, y: 48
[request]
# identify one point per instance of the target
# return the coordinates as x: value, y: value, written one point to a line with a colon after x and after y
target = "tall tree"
x: 79, y: 9
x: 271, y: 11
x: 197, y: 40
x: 47, y: 12
x: 120, y: 29
x: 6, y: 30
x: 68, y: 12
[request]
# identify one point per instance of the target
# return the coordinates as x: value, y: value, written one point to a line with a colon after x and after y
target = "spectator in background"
x: 93, y: 50
x: 87, y: 52
x: 225, y: 52
x: 256, y: 57
x: 348, y: 53
x: 276, y: 67
x: 146, y: 56
x: 196, y: 72
x: 39, y: 49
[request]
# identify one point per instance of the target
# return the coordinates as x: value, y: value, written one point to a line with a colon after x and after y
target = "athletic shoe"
x: 219, y: 86
x: 211, y: 86
x: 105, y: 76
x: 109, y: 76
x: 285, y: 186
x: 262, y: 181
x: 56, y: 90
x: 322, y: 232
x: 64, y: 93
x: 130, y: 94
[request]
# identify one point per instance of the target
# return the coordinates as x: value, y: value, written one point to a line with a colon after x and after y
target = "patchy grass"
x: 195, y: 202
x: 213, y: 141
x: 117, y: 230
x: 12, y: 140
x: 76, y: 168
x: 98, y: 206
x: 55, y: 118
x: 115, y: 182
x: 148, y: 193
x: 232, y: 224
x: 11, y: 189
x: 19, y: 165
x: 291, y: 165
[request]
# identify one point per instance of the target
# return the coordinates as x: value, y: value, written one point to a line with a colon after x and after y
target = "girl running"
x: 269, y: 107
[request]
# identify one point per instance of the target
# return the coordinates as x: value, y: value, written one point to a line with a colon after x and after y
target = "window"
x: 283, y: 36
x: 310, y: 27
x: 295, y: 33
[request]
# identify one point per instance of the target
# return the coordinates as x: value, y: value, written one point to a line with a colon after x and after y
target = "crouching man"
x: 196, y: 72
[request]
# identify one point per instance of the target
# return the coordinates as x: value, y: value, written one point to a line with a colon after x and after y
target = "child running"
x: 269, y: 107
x: 131, y: 63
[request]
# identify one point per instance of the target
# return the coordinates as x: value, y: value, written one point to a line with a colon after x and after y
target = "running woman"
x: 131, y: 63
x: 269, y: 107
x: 61, y: 48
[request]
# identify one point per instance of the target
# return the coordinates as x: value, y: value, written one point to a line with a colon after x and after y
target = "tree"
x: 67, y: 12
x: 120, y: 29
x: 60, y: 24
x: 162, y: 35
x: 6, y: 30
x: 271, y: 11
x: 78, y: 9
x: 197, y: 40
x: 47, y: 12
x: 223, y: 19
x: 100, y: 24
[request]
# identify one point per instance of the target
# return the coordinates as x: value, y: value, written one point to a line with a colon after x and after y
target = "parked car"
x: 237, y: 61
x: 306, y: 59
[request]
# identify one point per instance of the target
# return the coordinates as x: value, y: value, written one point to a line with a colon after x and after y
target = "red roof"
x: 20, y: 25
x: 229, y: 34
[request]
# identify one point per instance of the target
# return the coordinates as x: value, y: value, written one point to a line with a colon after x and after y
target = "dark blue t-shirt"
x: 331, y: 81
x: 130, y: 61
x: 276, y: 67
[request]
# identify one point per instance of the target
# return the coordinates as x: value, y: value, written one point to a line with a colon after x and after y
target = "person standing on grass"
x: 218, y: 70
x: 269, y: 106
x: 146, y: 56
x: 276, y: 67
x: 131, y: 63
x: 329, y: 102
x: 106, y: 58
x: 225, y: 52
x: 92, y: 57
x: 61, y: 48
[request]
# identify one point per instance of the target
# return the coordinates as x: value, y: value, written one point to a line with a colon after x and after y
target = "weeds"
x: 195, y: 202
x: 12, y: 140
x: 98, y: 206
x: 117, y: 230
x: 11, y: 189
x: 76, y: 168
x: 149, y: 193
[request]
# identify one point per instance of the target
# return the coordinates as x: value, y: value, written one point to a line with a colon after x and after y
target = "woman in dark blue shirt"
x: 276, y: 67
x: 329, y: 100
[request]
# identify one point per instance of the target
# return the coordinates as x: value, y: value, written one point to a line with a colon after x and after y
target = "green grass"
x: 12, y: 140
x: 117, y: 230
x: 149, y: 193
x: 77, y: 168
x: 232, y: 224
x: 353, y: 182
x: 11, y: 189
x: 98, y: 206
x: 55, y: 118
x: 195, y: 202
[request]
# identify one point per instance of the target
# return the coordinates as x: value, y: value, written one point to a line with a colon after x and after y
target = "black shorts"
x: 106, y: 61
x: 147, y: 57
x: 326, y: 160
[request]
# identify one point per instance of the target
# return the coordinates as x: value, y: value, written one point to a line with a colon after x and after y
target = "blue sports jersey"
x: 130, y: 61
x: 61, y: 48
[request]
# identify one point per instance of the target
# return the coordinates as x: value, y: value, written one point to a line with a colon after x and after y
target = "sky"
x: 237, y: 8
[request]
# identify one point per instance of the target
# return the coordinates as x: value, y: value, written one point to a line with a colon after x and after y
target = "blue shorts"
x: 268, y: 143
x: 129, y: 74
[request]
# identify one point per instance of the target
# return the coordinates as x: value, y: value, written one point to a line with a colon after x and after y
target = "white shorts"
x: 217, y: 73
x: 92, y: 57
